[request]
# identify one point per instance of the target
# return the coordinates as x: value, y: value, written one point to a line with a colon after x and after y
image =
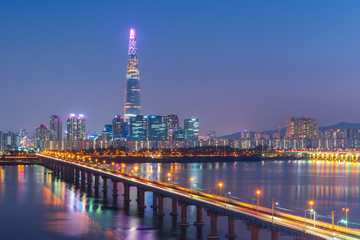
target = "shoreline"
x: 191, y: 159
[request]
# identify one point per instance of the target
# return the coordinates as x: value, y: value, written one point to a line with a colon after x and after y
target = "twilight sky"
x: 234, y: 64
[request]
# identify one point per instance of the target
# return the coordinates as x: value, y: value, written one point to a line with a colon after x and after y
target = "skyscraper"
x: 139, y: 128
x: 132, y: 94
x: 55, y: 128
x: 76, y: 127
x: 41, y: 134
x: 118, y: 128
x: 191, y: 131
x: 172, y: 122
x: 81, y: 127
x: 157, y: 128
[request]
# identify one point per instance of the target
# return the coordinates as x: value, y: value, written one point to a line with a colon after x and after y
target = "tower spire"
x: 132, y: 94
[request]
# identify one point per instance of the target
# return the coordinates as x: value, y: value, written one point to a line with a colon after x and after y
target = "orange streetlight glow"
x: 258, y: 192
x: 346, y: 212
x: 220, y: 186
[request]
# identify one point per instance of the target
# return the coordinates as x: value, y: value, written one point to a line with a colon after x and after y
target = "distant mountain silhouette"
x: 340, y: 125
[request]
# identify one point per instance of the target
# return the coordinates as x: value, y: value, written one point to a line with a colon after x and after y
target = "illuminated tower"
x: 132, y: 94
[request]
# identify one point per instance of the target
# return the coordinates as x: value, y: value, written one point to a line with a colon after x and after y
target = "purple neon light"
x: 132, y: 33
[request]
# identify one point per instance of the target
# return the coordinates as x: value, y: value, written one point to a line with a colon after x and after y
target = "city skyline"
x: 276, y: 55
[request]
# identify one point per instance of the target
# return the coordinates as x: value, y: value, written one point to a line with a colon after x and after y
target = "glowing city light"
x: 132, y: 33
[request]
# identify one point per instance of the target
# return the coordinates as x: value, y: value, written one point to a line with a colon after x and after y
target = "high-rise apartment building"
x: 302, y: 127
x: 81, y: 127
x: 55, y: 128
x: 139, y: 128
x: 132, y: 94
x: 172, y: 122
x: 191, y: 131
x: 157, y: 128
x: 76, y: 127
x: 41, y: 134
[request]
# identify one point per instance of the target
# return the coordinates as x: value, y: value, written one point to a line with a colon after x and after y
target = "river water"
x: 35, y: 204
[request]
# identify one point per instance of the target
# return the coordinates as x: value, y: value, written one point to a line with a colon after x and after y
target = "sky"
x: 236, y: 65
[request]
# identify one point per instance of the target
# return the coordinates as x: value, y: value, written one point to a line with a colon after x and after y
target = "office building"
x: 172, y: 122
x: 119, y: 128
x: 191, y: 131
x: 139, y: 128
x: 157, y: 128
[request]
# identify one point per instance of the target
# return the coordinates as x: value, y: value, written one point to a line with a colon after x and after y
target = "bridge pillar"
x: 71, y: 174
x: 213, y: 223
x: 82, y: 178
x: 231, y: 228
x: 199, y: 220
x: 96, y: 187
x: 77, y: 176
x: 141, y: 199
x: 161, y: 205
x: 155, y: 203
x: 115, y: 191
x: 126, y: 192
x: 57, y: 169
x: 274, y: 235
x: 105, y: 186
x: 62, y: 172
x: 254, y: 229
x: 89, y: 181
x: 183, y: 206
x: 174, y: 211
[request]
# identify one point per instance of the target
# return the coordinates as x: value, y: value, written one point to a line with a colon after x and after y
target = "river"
x: 35, y: 204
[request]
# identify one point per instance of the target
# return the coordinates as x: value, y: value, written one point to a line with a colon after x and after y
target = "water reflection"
x: 45, y: 207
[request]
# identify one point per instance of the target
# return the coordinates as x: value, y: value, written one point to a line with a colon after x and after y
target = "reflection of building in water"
x: 69, y: 217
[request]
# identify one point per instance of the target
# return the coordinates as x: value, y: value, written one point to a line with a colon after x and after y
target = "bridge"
x: 256, y: 217
x: 344, y: 156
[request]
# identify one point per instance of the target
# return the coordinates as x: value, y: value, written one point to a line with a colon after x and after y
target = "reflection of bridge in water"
x: 347, y: 156
x: 77, y: 171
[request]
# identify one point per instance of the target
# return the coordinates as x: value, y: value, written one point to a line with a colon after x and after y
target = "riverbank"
x: 189, y: 159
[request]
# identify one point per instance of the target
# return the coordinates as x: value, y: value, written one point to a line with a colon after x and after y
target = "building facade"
x: 139, y: 128
x: 302, y: 127
x: 157, y: 128
x: 191, y: 131
x: 76, y: 127
x: 172, y: 122
x: 55, y: 128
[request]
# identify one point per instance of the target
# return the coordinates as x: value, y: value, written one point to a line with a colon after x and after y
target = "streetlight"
x: 346, y: 212
x: 311, y: 203
x: 191, y: 180
x: 229, y: 193
x: 169, y: 175
x: 258, y: 192
x: 220, y: 186
x: 273, y: 208
x: 340, y: 221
